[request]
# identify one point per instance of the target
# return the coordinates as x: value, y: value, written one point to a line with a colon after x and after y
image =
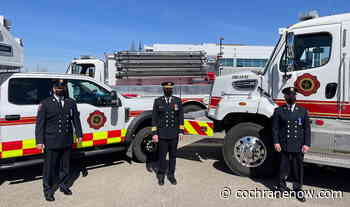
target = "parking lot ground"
x: 203, y: 180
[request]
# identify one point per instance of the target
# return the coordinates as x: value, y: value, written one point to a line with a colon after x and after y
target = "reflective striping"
x: 31, y: 151
x: 15, y: 145
x: 87, y: 137
x: 12, y: 153
x: 209, y: 128
x: 100, y: 135
x: 123, y: 132
x: 100, y: 142
x: 85, y: 144
x: 154, y: 129
x: 114, y: 140
x: 198, y: 128
x: 189, y: 128
x: 28, y: 146
x: 29, y: 143
x: 114, y: 133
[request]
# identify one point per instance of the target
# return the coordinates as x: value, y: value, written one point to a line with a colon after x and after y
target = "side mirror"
x: 115, y: 101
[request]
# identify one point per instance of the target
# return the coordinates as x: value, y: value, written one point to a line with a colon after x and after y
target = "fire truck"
x: 312, y: 55
x: 139, y: 74
x: 110, y: 121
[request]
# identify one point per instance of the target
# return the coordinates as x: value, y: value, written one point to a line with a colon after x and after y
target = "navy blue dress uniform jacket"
x: 167, y: 119
x: 291, y: 129
x: 54, y: 125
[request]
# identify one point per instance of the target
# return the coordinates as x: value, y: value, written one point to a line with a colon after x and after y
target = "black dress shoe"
x: 84, y: 172
x: 172, y: 180
x: 160, y: 179
x: 66, y: 191
x: 149, y: 167
x: 161, y: 182
x: 49, y: 197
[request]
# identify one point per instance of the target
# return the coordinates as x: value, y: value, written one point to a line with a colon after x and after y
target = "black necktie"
x: 60, y: 99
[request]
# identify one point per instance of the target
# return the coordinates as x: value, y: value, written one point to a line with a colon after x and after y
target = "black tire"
x: 191, y: 108
x: 143, y: 136
x: 267, y: 168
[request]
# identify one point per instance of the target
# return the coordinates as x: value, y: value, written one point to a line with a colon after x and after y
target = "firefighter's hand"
x: 305, y: 149
x: 79, y: 140
x: 278, y: 147
x: 181, y: 136
x: 155, y: 138
x: 40, y: 146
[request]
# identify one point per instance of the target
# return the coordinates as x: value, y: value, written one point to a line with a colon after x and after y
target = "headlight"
x: 246, y: 85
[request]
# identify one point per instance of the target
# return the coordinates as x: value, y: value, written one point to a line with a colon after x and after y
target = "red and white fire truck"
x: 312, y: 55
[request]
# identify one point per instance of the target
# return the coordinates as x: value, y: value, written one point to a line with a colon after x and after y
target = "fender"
x: 135, y: 123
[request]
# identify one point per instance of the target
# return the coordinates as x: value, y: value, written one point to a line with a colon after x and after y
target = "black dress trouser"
x: 292, y: 161
x: 165, y: 146
x: 56, y: 169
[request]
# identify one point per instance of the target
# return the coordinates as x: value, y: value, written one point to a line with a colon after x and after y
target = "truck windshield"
x: 272, y: 55
x: 84, y: 69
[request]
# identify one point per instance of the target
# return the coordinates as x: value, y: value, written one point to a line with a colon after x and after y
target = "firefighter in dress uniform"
x: 168, y: 127
x: 291, y: 137
x: 54, y: 133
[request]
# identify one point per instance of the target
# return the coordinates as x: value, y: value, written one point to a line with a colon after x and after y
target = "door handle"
x: 331, y: 90
x: 12, y: 117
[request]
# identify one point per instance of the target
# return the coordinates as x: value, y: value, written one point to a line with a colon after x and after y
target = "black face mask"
x: 290, y: 100
x: 168, y: 93
x: 59, y: 92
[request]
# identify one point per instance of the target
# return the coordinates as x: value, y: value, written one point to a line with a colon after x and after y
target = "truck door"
x: 316, y: 75
x: 342, y: 128
x: 101, y: 123
x: 19, y: 105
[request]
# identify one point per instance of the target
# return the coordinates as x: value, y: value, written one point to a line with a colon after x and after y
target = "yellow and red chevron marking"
x: 199, y: 127
x: 28, y: 146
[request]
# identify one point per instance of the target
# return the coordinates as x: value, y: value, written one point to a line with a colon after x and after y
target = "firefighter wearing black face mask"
x: 56, y: 118
x: 168, y: 126
x: 291, y: 137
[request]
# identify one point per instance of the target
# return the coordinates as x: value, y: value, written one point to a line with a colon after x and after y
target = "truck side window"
x: 311, y: 51
x: 28, y: 91
x: 84, y: 69
x: 87, y: 92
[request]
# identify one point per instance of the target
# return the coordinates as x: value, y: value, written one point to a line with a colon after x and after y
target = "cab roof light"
x: 308, y: 15
x: 87, y: 57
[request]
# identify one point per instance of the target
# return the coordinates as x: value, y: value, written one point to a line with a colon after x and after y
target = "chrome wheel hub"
x: 250, y: 151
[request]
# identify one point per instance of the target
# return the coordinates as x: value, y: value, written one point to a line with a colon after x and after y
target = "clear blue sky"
x: 55, y: 32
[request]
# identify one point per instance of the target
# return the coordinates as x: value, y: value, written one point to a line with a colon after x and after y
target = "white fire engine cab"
x: 312, y: 55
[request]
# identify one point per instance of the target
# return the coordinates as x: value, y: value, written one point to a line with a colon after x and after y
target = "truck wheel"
x: 143, y: 147
x: 191, y: 108
x: 248, y: 151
